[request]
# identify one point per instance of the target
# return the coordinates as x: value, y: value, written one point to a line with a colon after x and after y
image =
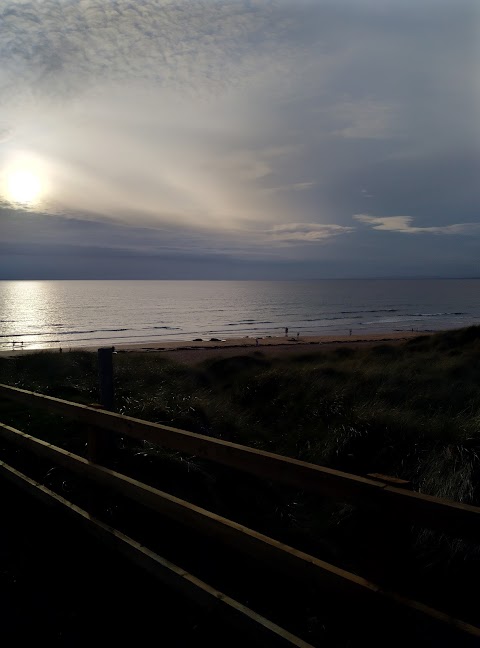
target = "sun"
x: 24, y: 187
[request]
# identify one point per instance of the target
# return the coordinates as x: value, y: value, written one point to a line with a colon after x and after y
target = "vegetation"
x: 409, y: 410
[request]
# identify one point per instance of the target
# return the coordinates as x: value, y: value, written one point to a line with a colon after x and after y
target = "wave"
x: 248, y: 322
x: 379, y: 310
x: 433, y: 314
x: 92, y: 341
x: 330, y: 319
x: 38, y: 334
x: 168, y: 328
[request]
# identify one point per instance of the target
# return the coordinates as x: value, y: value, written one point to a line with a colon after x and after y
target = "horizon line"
x: 367, y: 278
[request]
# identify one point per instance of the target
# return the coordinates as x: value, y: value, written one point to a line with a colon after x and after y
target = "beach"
x: 169, y: 314
x: 197, y: 350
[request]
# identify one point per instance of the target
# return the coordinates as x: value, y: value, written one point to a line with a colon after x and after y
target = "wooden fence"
x: 450, y: 517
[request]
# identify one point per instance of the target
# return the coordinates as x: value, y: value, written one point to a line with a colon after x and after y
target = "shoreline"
x: 186, y: 351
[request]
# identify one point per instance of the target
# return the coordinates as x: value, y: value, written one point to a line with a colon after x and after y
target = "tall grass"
x: 409, y: 410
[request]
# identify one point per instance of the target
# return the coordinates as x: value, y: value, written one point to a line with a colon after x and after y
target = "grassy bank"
x: 410, y: 410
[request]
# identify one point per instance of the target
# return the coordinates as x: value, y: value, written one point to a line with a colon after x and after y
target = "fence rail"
x: 444, y: 515
x: 240, y: 616
x: 451, y: 517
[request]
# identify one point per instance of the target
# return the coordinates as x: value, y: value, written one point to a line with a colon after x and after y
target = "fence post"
x: 100, y: 442
x: 105, y: 376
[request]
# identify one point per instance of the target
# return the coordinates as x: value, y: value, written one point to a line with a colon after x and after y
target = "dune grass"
x: 410, y: 410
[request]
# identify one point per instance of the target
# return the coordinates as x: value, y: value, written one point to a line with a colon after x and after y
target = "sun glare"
x: 24, y: 187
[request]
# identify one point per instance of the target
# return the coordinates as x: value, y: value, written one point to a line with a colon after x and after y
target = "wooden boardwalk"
x: 389, y: 500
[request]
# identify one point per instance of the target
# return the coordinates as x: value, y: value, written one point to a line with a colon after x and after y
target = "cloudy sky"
x: 239, y: 138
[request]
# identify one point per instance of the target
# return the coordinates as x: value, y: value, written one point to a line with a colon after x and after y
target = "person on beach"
x: 286, y: 331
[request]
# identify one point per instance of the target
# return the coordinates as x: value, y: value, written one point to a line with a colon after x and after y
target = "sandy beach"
x: 199, y: 349
x: 195, y: 351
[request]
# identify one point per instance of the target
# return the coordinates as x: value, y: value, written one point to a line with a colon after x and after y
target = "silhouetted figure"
x: 350, y: 331
x: 286, y: 331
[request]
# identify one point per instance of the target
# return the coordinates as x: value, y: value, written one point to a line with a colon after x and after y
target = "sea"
x: 69, y: 314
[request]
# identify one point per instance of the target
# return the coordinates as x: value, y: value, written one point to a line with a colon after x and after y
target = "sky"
x: 239, y: 139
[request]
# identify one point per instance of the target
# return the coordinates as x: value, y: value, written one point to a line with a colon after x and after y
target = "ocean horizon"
x: 43, y: 314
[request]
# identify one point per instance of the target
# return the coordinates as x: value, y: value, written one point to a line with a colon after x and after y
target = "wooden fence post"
x: 105, y: 376
x: 100, y: 442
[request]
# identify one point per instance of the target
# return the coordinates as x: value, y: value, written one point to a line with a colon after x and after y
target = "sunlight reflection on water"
x: 44, y: 314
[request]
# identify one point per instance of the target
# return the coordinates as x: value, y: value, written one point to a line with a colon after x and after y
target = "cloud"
x: 404, y: 224
x: 147, y: 157
x: 213, y: 124
x: 366, y: 194
x: 63, y: 47
x: 365, y: 119
x: 150, y: 113
x: 296, y: 186
x: 307, y: 232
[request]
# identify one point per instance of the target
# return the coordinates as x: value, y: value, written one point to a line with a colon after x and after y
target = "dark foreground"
x: 60, y: 587
x: 408, y: 410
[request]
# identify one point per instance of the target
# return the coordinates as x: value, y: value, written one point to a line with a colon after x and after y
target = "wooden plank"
x: 243, y: 618
x: 236, y: 535
x: 281, y: 557
x: 391, y: 481
x: 450, y: 517
x: 258, y: 462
